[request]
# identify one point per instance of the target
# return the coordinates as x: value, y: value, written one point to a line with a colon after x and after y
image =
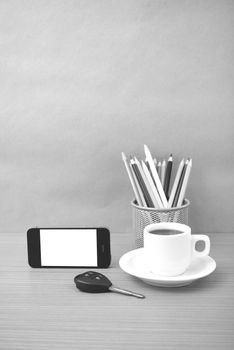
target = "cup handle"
x: 206, y: 250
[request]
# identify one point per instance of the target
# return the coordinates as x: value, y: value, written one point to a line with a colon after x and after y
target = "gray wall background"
x: 81, y: 81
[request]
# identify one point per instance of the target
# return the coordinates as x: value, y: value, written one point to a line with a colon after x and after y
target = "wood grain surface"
x: 42, y: 309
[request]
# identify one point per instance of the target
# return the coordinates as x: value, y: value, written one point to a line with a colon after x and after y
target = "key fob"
x: 92, y: 282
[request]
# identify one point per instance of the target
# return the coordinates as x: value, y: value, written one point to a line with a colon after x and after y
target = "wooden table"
x: 42, y: 309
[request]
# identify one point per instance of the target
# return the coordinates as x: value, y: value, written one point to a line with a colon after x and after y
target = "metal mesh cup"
x: 144, y: 216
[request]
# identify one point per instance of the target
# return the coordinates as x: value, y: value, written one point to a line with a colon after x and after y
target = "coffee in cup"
x: 170, y: 247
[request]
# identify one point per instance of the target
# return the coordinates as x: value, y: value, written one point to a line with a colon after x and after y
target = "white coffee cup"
x: 170, y: 247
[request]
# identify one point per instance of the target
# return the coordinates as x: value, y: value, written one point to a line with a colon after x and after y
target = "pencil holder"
x: 144, y: 216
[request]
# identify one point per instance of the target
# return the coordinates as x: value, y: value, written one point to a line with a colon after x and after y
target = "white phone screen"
x: 63, y: 247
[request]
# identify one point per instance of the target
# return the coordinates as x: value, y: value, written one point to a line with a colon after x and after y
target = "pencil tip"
x: 123, y: 156
x: 146, y: 148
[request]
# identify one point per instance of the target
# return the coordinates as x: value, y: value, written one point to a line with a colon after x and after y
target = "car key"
x: 94, y: 282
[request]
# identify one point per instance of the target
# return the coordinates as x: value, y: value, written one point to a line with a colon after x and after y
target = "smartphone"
x: 68, y: 247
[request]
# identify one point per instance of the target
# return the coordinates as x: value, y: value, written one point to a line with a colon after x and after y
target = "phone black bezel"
x: 103, y: 247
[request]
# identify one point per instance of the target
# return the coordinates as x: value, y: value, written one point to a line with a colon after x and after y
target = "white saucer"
x: 134, y: 264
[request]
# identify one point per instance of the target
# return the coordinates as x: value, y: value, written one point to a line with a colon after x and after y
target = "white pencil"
x: 163, y: 172
x: 184, y: 184
x: 132, y: 180
x: 175, y: 184
x: 155, y: 176
x: 154, y: 193
x: 159, y: 166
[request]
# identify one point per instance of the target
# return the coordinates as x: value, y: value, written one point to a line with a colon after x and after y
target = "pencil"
x: 163, y: 170
x: 159, y: 166
x: 185, y: 183
x: 132, y: 181
x: 141, y: 195
x: 147, y: 164
x: 146, y: 182
x: 168, y: 176
x: 155, y: 176
x: 154, y: 193
x: 175, y: 184
x: 138, y: 172
x: 175, y: 201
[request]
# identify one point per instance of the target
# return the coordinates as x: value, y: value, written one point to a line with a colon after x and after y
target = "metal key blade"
x: 126, y: 292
